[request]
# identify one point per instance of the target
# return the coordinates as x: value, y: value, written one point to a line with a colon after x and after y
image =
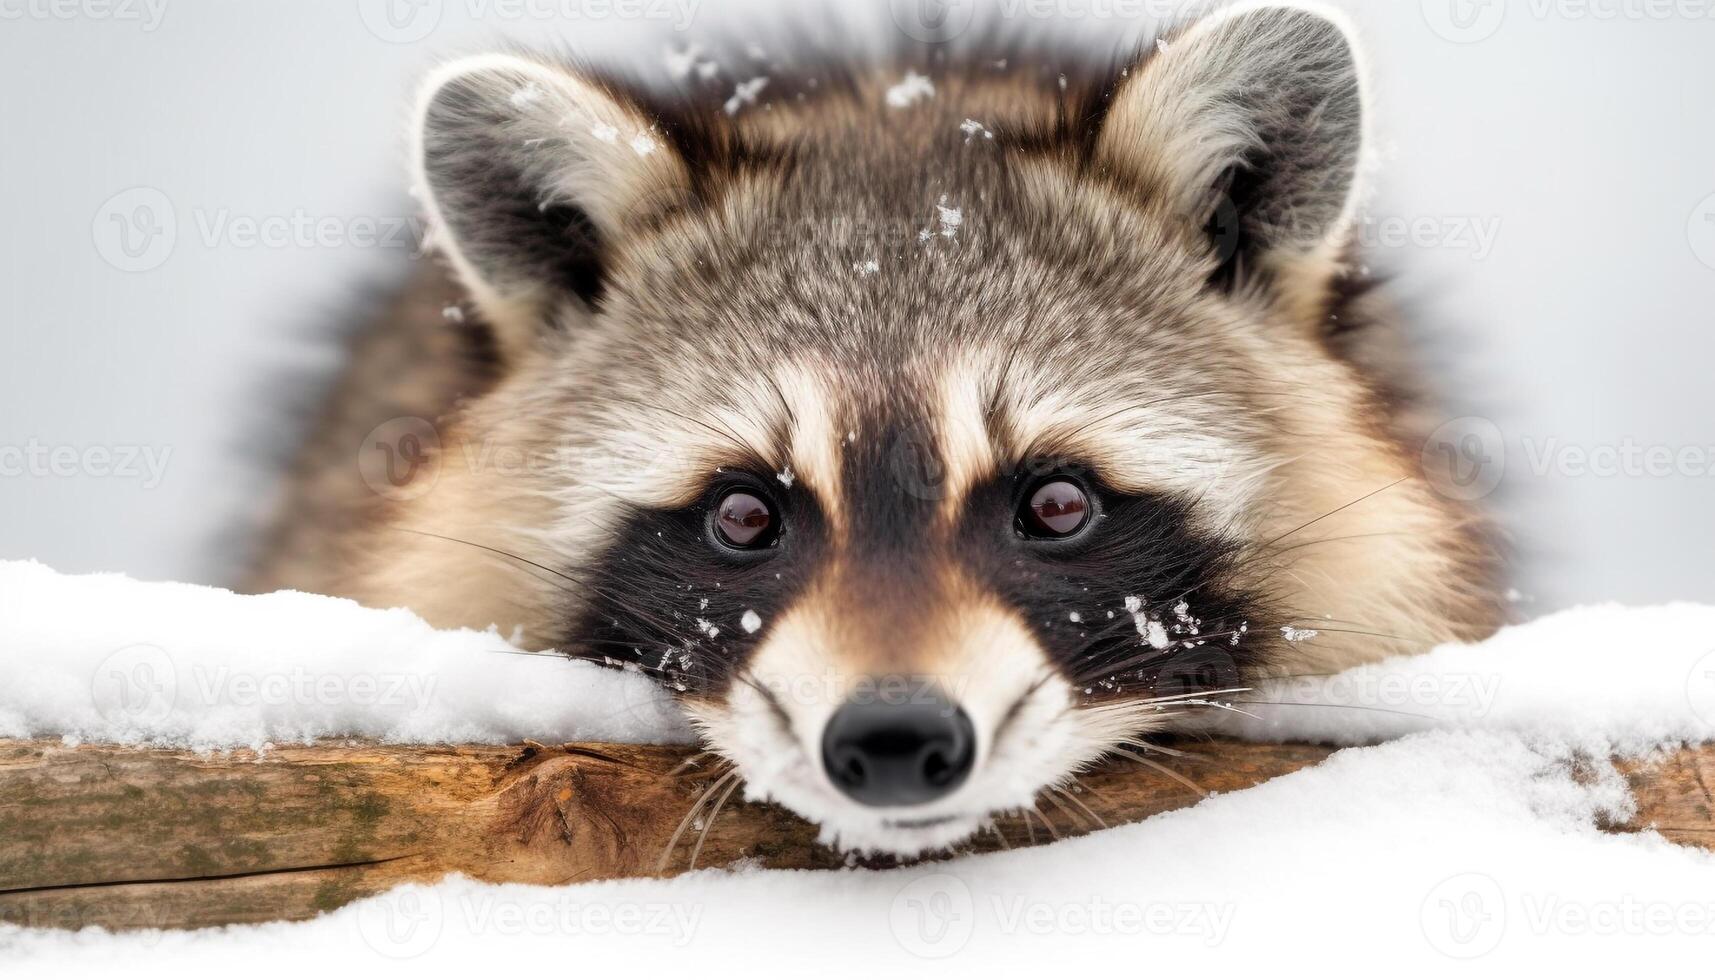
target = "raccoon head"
x: 933, y: 439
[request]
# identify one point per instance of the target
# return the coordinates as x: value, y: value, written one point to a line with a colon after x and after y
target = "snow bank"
x: 1607, y: 677
x: 103, y: 657
x: 106, y: 658
x: 1466, y: 840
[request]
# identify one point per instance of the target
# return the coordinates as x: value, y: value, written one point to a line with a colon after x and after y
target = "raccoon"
x: 932, y: 426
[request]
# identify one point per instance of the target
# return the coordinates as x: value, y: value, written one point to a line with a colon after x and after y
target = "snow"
x: 1603, y: 678
x: 1470, y: 835
x: 106, y: 658
x: 1154, y: 633
x: 1152, y: 630
x: 745, y: 93
x: 750, y: 621
x: 949, y: 218
x: 681, y: 62
x: 972, y: 129
x: 526, y: 96
x: 910, y: 90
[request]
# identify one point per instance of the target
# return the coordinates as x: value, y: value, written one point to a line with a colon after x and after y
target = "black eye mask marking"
x: 686, y: 610
x: 1134, y: 605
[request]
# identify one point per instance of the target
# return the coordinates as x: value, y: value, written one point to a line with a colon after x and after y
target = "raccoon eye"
x: 743, y: 520
x: 1056, y: 509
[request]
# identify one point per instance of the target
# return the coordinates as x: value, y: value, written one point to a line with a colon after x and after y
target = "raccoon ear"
x: 532, y: 175
x: 1250, y: 126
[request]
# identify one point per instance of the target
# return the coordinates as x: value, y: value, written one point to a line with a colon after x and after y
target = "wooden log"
x: 138, y: 838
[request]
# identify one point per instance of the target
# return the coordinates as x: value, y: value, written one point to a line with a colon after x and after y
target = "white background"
x: 1585, y: 143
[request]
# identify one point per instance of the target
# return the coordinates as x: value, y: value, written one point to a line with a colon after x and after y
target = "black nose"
x: 899, y: 754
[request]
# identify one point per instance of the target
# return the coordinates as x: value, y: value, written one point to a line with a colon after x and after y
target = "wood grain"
x: 138, y: 838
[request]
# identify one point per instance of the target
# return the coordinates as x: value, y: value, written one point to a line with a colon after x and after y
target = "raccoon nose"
x: 883, y: 754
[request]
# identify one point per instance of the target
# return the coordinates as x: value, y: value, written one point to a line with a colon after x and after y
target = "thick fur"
x: 890, y: 312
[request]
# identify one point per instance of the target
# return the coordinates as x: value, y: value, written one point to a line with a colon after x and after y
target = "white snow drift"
x: 105, y: 658
x: 1604, y: 676
x: 1471, y: 836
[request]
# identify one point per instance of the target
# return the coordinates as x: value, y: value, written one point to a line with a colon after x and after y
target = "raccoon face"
x: 932, y: 448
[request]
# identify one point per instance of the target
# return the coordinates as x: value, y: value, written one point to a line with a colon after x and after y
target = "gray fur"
x: 818, y: 270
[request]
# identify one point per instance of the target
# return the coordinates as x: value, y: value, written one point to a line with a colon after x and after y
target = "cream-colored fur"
x: 790, y: 320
